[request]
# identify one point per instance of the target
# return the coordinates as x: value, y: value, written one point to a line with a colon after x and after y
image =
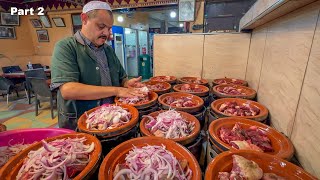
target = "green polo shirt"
x: 72, y: 61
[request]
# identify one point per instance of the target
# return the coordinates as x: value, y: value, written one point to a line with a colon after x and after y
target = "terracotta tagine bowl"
x: 229, y: 81
x: 281, y: 145
x: 153, y: 100
x: 183, y: 140
x: 193, y: 80
x: 263, y: 114
x: 11, y: 169
x: 249, y: 93
x: 205, y: 89
x: 168, y: 79
x: 82, y: 125
x: 195, y: 99
x: 118, y: 155
x: 167, y: 86
x: 268, y: 163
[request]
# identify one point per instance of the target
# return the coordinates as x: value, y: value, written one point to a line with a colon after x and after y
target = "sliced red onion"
x: 6, y: 152
x: 50, y: 161
x: 169, y: 124
x: 151, y: 162
x: 108, y: 117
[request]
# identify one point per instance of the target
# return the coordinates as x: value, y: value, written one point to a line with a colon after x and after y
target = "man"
x: 86, y: 70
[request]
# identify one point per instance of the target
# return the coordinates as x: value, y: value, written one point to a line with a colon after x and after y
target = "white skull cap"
x: 92, y: 5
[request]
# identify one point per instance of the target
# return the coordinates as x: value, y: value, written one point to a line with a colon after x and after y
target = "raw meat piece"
x: 190, y: 88
x: 245, y: 168
x: 230, y: 90
x: 253, y: 137
x: 232, y: 108
x: 179, y: 102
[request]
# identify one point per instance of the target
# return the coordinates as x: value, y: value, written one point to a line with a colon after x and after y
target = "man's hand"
x: 134, y: 82
x: 129, y: 92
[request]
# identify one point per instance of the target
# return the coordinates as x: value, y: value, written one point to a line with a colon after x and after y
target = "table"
x: 19, y: 77
x: 21, y: 74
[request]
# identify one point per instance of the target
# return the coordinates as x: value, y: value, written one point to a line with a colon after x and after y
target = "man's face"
x: 98, y: 28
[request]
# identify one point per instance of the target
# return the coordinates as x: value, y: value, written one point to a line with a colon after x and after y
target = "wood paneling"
x: 305, y: 134
x: 285, y: 58
x: 178, y: 55
x: 257, y: 46
x: 225, y: 55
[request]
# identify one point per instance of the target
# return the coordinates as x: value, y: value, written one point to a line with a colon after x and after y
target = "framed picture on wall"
x: 36, y: 23
x: 43, y: 35
x: 9, y: 20
x: 45, y: 21
x: 7, y: 32
x: 186, y: 10
x: 76, y: 22
x: 58, y: 21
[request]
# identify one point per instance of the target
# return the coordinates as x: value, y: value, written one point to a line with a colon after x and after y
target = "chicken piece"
x: 245, y: 145
x: 245, y: 168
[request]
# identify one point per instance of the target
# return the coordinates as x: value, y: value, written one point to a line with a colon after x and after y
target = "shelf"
x: 264, y: 11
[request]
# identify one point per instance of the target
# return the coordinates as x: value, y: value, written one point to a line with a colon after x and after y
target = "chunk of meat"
x: 231, y: 90
x: 245, y: 145
x: 232, y: 108
x: 191, y: 88
x: 253, y: 138
x: 245, y: 168
x: 156, y: 87
x: 179, y: 102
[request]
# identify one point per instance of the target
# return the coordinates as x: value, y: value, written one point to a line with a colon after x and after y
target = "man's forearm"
x: 79, y: 91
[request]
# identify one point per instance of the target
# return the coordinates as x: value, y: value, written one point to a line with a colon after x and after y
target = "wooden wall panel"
x: 285, y: 59
x: 225, y: 55
x: 257, y: 46
x: 178, y: 55
x: 305, y: 134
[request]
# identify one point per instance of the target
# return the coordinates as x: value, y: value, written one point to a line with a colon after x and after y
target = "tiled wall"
x: 284, y: 67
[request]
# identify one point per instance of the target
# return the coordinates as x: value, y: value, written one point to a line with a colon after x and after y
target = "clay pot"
x: 184, y: 140
x: 249, y: 92
x: 11, y: 169
x: 190, y: 80
x: 282, y: 146
x: 82, y: 126
x: 215, y: 105
x: 118, y: 154
x: 153, y: 100
x: 172, y: 79
x: 195, y: 99
x: 205, y: 89
x: 230, y: 81
x: 268, y: 163
x: 165, y: 84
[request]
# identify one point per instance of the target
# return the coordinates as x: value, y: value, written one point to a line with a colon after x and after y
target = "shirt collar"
x: 85, y: 41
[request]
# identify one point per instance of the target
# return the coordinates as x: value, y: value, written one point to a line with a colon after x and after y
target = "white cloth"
x: 92, y: 5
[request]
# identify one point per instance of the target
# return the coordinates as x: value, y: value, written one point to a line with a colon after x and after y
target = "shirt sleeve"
x: 64, y: 67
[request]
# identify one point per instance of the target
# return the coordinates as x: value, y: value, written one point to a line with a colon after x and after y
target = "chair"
x: 11, y: 69
x: 41, y: 88
x: 33, y: 73
x: 37, y: 66
x: 7, y: 87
